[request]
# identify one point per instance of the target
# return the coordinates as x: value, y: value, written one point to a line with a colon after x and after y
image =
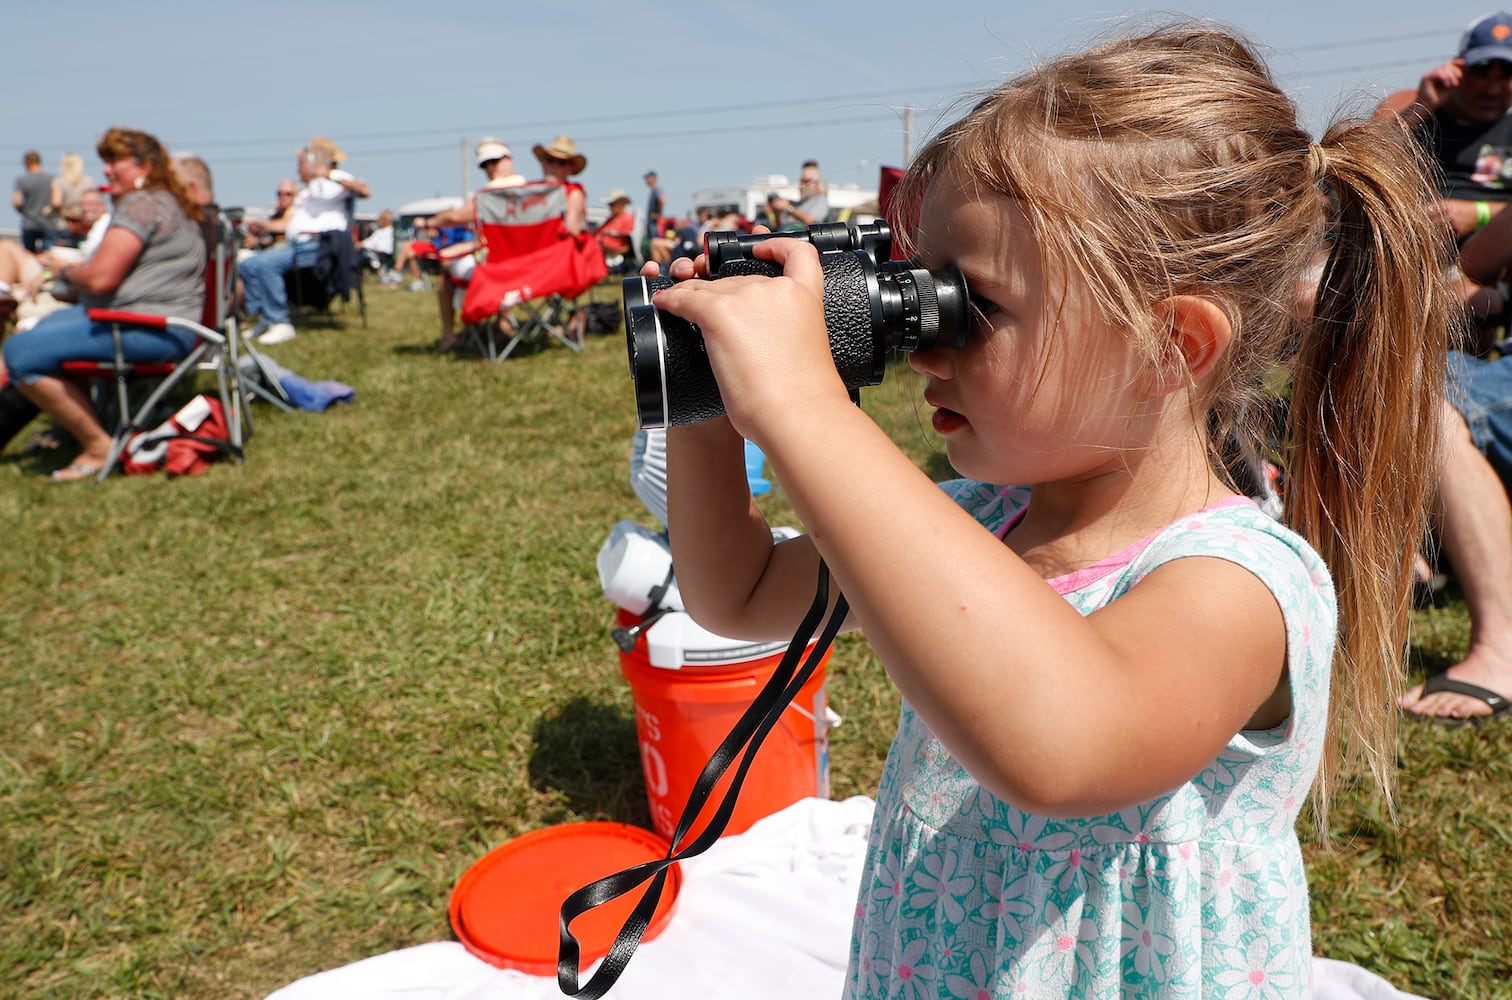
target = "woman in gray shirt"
x: 151, y: 260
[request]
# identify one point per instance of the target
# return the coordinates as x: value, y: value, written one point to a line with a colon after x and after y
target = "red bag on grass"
x: 183, y: 445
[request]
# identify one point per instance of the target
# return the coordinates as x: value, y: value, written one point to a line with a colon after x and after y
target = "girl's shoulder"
x: 1235, y: 530
x: 1238, y: 531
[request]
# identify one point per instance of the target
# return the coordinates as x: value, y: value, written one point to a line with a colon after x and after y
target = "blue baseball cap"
x: 1488, y: 37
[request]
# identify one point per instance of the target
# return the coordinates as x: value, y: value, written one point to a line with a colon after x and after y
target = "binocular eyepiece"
x: 872, y: 305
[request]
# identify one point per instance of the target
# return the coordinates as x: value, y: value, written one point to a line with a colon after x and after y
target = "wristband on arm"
x: 1482, y: 214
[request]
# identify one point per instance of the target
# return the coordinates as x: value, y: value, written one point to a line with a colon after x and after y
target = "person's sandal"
x: 1443, y: 682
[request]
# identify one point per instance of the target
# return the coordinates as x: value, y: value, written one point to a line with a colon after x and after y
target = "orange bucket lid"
x: 506, y: 907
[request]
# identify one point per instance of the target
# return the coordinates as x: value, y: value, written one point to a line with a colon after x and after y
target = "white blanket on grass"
x: 763, y: 914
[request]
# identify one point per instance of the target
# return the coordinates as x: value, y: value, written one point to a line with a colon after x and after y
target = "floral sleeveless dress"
x: 1200, y: 893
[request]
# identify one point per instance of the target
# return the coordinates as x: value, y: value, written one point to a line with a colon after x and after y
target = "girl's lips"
x: 945, y: 421
x: 943, y: 418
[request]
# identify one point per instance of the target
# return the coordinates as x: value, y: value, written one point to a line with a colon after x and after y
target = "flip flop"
x: 1443, y: 682
x: 74, y: 473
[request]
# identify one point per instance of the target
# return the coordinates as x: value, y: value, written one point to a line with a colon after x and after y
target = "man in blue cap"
x: 1460, y: 112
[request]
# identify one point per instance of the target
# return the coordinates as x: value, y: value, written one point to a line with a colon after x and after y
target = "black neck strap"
x: 743, y: 742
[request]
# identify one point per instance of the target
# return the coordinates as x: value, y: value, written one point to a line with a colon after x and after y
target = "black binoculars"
x: 872, y: 305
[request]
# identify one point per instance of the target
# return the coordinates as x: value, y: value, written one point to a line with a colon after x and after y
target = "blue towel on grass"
x: 314, y: 396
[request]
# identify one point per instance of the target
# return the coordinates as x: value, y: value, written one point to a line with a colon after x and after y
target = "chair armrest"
x: 129, y: 318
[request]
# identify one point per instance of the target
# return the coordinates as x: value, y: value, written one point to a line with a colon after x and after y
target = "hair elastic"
x: 1317, y: 162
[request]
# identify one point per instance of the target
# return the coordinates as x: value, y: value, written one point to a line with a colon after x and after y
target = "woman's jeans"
x: 70, y: 335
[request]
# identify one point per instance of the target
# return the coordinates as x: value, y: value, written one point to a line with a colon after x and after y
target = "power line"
x: 658, y: 114
x: 282, y: 143
x: 690, y: 133
x: 1413, y: 36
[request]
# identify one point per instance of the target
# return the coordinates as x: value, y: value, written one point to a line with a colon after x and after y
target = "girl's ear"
x: 1199, y: 332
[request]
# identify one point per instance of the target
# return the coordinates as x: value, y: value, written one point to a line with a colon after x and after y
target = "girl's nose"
x: 938, y: 362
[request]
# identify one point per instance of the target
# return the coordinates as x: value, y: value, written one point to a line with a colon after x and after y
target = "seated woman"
x: 616, y: 235
x: 151, y: 260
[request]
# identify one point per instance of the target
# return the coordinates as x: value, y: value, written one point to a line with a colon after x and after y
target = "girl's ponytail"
x: 1362, y: 440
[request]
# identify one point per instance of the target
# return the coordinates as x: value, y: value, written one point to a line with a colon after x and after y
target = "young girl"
x: 1117, y: 695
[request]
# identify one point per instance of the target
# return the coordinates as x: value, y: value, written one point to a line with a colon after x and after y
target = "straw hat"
x: 326, y: 149
x: 615, y: 195
x: 562, y: 148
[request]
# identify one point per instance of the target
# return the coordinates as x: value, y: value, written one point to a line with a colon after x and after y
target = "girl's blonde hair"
x: 1171, y: 164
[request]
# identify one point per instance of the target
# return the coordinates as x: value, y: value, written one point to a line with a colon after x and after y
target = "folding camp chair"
x: 219, y: 347
x: 530, y: 268
x: 336, y: 273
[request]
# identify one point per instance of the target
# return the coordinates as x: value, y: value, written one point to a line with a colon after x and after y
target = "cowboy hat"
x: 562, y: 148
x: 615, y: 195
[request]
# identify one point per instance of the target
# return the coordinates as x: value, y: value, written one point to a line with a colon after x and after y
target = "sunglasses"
x: 286, y: 194
x: 1502, y: 66
x: 557, y: 159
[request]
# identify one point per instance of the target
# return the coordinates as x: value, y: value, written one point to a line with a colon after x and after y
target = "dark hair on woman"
x: 123, y: 143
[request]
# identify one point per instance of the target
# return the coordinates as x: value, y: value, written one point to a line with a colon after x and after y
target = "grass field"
x: 254, y: 724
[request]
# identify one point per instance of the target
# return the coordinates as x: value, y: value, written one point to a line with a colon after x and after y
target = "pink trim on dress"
x: 1076, y: 580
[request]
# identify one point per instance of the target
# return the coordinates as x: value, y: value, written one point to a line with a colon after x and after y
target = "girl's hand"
x: 765, y: 337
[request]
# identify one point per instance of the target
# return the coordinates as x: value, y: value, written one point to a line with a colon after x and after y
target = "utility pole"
x: 908, y: 135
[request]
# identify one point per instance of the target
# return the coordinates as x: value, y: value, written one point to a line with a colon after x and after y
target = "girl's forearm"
x: 732, y: 578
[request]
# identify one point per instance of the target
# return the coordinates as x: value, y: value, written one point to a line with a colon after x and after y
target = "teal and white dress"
x: 1199, y: 893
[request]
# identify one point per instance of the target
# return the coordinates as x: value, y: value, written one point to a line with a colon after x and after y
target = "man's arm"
x: 449, y: 217
x: 577, y: 212
x: 355, y: 185
x: 1434, y: 90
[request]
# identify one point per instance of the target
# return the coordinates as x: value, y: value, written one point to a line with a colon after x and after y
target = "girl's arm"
x: 1058, y: 713
x: 733, y: 579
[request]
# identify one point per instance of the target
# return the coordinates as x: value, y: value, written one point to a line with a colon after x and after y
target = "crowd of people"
x: 80, y: 249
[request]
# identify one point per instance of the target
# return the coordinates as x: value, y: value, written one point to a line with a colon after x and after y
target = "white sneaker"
x: 417, y: 285
x: 276, y: 333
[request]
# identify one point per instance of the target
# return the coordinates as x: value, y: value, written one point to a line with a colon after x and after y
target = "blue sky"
x: 710, y: 93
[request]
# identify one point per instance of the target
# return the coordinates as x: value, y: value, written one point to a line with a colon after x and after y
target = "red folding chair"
x: 240, y: 371
x: 530, y: 268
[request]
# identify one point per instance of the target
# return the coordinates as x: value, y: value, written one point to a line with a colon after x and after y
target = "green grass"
x: 254, y: 724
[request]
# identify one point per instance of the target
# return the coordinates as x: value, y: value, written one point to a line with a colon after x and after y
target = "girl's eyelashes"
x: 983, y: 308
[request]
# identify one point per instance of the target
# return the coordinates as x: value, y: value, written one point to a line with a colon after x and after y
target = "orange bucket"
x: 683, y: 713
